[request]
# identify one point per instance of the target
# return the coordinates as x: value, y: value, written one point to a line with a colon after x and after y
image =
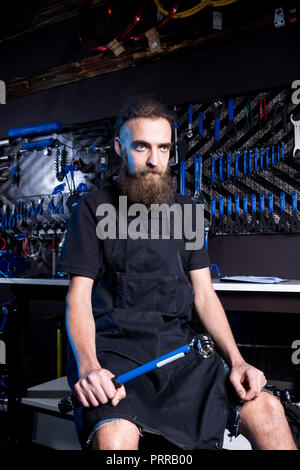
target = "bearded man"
x: 132, y: 300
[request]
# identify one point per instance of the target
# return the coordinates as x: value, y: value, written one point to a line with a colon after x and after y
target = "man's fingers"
x: 236, y: 380
x: 120, y: 394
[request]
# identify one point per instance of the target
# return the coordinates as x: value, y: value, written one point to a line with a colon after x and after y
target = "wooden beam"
x: 106, y: 62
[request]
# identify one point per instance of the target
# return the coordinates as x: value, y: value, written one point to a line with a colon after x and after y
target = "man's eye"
x: 165, y: 148
x: 139, y: 147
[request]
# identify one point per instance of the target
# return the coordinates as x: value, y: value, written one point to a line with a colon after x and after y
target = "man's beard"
x: 147, y: 190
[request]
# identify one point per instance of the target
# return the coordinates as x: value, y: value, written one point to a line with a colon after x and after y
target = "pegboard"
x: 276, y: 131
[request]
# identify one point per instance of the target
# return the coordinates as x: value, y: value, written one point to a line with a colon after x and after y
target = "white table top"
x: 290, y: 286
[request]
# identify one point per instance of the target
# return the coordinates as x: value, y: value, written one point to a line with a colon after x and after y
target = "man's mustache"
x: 146, y: 171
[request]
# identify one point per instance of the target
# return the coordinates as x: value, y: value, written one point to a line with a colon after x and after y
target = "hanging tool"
x: 262, y: 111
x: 245, y: 225
x: 253, y: 226
x: 221, y: 225
x: 189, y: 133
x: 271, y: 222
x: 200, y: 124
x: 236, y: 165
x: 250, y: 160
x: 237, y: 226
x: 231, y: 127
x: 282, y: 224
x: 182, y: 150
x: 38, y: 145
x: 267, y: 158
x: 294, y: 224
x: 37, y: 129
x: 220, y: 169
x: 229, y: 224
x: 198, y: 196
x: 249, y: 114
x: 228, y: 166
x: 175, y: 127
x: 16, y: 170
x: 261, y: 160
x: 245, y: 164
x: 218, y: 107
x: 60, y: 162
x: 262, y: 224
x: 255, y: 160
x: 296, y: 125
x: 213, y: 225
x: 202, y: 344
x: 279, y: 107
x: 213, y: 170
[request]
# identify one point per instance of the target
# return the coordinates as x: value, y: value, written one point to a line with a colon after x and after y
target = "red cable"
x: 120, y: 36
x: 158, y: 26
x: 4, y: 243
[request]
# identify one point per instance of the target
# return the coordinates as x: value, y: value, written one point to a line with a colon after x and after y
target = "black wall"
x: 267, y: 59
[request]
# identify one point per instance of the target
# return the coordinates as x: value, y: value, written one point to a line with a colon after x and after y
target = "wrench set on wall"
x: 248, y: 177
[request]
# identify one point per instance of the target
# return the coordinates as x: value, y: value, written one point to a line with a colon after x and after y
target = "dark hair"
x: 142, y: 106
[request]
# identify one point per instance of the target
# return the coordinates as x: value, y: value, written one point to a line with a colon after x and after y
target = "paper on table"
x: 262, y: 280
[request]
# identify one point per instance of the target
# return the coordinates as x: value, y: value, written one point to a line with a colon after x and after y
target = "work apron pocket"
x: 150, y: 293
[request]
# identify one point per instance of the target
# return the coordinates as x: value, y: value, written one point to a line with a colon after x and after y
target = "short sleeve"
x: 81, y: 252
x: 198, y: 259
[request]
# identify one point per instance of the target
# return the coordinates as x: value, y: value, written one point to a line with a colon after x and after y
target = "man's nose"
x: 153, y: 158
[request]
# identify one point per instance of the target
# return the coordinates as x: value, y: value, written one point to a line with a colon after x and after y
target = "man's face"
x: 145, y: 144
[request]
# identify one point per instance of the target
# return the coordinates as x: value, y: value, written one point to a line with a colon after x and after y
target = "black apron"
x: 142, y: 308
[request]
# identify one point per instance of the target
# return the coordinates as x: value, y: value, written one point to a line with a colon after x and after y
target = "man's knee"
x: 264, y: 413
x: 116, y: 435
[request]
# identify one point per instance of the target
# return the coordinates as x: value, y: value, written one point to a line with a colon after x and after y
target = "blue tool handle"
x: 236, y: 165
x: 250, y: 161
x: 230, y: 109
x: 38, y: 145
x: 262, y: 203
x: 38, y: 129
x: 200, y: 123
x: 245, y: 163
x: 220, y: 167
x: 190, y: 114
x: 294, y: 201
x: 197, y: 173
x: 229, y: 205
x: 282, y: 151
x: 267, y: 158
x: 237, y: 204
x: 217, y: 129
x: 253, y: 203
x: 182, y: 178
x: 245, y: 204
x: 213, y: 206
x: 261, y: 159
x: 278, y: 153
x: 271, y: 203
x: 255, y: 160
x: 213, y: 168
x: 156, y: 363
x: 282, y: 201
x: 228, y: 165
x: 221, y: 205
x: 273, y: 156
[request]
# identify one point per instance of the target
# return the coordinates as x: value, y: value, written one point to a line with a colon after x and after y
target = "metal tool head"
x: 204, y: 345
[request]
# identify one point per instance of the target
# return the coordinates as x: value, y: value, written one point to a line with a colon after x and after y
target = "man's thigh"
x: 118, y: 434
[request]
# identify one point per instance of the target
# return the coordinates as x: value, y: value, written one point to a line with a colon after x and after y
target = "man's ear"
x: 118, y: 146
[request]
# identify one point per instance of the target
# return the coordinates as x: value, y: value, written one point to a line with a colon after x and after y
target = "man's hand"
x: 247, y: 381
x: 95, y: 387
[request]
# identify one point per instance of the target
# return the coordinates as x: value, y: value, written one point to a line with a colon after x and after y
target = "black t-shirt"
x: 84, y: 254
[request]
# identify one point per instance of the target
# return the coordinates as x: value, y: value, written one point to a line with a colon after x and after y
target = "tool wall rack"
x: 266, y: 165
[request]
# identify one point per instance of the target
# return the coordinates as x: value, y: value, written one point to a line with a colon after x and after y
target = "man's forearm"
x: 81, y: 330
x: 214, y: 320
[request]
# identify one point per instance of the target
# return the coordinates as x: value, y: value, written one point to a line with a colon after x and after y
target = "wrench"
x: 296, y: 125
